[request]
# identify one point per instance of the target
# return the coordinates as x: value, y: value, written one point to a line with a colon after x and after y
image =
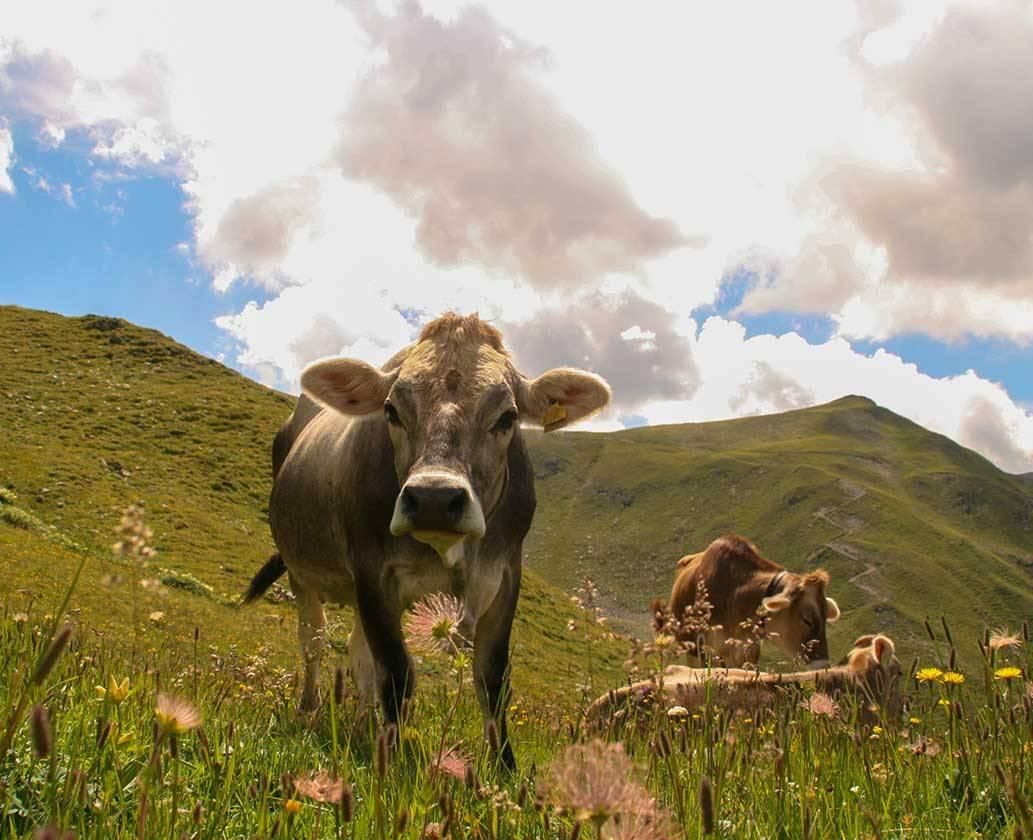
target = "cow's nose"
x: 434, y: 507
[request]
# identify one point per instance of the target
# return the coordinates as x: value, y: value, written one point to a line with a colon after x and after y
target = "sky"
x: 724, y: 209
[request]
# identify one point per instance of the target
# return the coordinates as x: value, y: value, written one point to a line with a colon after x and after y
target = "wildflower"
x: 593, y: 782
x: 135, y: 536
x: 953, y: 678
x: 156, y: 617
x: 677, y: 712
x: 655, y: 824
x: 292, y: 806
x: 820, y: 704
x: 929, y: 675
x: 663, y: 641
x: 433, y: 624
x: 321, y: 787
x: 451, y: 762
x: 176, y: 715
x: 1001, y: 639
x: 116, y: 692
x: 1008, y: 672
x: 914, y: 721
x: 20, y: 617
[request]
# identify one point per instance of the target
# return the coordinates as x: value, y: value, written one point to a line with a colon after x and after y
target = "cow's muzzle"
x: 439, y: 509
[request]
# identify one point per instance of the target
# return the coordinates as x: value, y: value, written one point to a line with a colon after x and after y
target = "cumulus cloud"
x: 456, y: 126
x: 765, y: 373
x: 631, y: 342
x: 959, y: 220
x: 6, y: 157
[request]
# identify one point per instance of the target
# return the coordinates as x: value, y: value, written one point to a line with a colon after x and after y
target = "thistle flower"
x: 820, y: 704
x: 1001, y: 638
x: 953, y: 678
x: 1008, y: 672
x: 175, y: 715
x: 451, y: 762
x: 321, y: 786
x: 433, y: 624
x: 929, y: 675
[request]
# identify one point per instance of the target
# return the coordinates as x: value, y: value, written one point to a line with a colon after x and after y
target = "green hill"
x: 96, y: 414
x: 908, y: 523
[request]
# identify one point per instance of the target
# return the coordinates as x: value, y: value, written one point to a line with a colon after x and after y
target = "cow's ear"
x: 347, y: 385
x: 775, y: 603
x: 859, y: 659
x: 831, y: 610
x: 562, y: 396
x: 883, y: 648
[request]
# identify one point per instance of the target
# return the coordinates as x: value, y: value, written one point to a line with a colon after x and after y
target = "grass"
x: 99, y: 414
x: 103, y: 755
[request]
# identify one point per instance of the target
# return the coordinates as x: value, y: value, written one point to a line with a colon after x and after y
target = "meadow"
x: 167, y: 711
x: 112, y: 738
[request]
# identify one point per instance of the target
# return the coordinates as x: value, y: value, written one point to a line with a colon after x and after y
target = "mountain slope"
x: 97, y: 414
x: 908, y: 523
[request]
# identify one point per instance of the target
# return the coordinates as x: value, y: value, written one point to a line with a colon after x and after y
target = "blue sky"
x: 393, y: 164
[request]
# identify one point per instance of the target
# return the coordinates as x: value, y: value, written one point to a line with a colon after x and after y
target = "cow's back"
x: 305, y: 411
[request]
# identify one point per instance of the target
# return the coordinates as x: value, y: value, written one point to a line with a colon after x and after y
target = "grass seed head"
x: 39, y: 725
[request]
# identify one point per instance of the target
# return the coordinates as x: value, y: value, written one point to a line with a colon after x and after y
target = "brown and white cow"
x: 393, y: 483
x: 742, y: 584
x: 871, y: 673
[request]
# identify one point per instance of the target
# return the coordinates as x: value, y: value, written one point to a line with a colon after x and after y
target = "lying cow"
x: 394, y: 483
x: 870, y: 673
x: 741, y: 584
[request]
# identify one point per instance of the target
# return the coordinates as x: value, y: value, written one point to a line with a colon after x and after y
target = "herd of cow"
x: 396, y: 482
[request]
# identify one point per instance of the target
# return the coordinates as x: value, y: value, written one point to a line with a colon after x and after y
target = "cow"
x: 871, y: 673
x: 411, y: 479
x: 741, y: 584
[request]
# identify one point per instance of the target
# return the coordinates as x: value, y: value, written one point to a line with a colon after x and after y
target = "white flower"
x: 677, y: 712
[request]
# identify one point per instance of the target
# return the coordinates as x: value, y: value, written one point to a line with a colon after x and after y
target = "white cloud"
x: 740, y: 376
x: 6, y: 158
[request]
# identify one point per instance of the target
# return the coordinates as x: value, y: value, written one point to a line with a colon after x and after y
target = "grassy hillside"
x: 97, y: 414
x: 908, y: 523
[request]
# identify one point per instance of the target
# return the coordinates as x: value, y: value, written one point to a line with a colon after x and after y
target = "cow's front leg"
x: 382, y: 626
x: 491, y: 660
x: 312, y: 636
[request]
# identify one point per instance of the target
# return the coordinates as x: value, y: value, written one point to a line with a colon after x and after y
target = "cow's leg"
x: 382, y: 627
x: 362, y: 667
x: 491, y: 659
x: 312, y: 636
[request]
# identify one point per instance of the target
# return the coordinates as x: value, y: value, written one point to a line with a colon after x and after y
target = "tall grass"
x: 956, y: 765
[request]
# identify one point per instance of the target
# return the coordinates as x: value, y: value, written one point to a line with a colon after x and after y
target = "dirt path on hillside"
x: 850, y: 525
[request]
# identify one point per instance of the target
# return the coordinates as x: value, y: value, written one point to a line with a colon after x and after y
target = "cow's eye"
x: 506, y: 421
x: 391, y: 413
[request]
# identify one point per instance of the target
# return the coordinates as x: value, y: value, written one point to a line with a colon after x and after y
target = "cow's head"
x: 799, y: 612
x: 877, y: 672
x: 452, y: 403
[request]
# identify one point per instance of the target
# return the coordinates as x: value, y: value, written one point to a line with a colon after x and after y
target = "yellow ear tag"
x: 555, y: 416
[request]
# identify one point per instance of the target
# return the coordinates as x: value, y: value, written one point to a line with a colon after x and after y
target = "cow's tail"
x: 266, y: 577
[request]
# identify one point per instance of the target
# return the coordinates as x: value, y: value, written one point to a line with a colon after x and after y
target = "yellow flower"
x: 118, y: 691
x: 929, y: 674
x: 663, y: 641
x: 914, y: 721
x: 1008, y: 672
x: 953, y: 678
x: 292, y: 806
x: 176, y: 715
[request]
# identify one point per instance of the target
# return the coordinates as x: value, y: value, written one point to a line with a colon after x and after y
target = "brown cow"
x: 394, y: 483
x: 870, y: 672
x: 741, y: 584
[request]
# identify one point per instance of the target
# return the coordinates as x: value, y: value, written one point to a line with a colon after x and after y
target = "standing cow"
x: 394, y: 483
x: 742, y: 584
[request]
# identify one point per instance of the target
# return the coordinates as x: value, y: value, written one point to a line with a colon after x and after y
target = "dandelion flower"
x: 1001, y: 639
x: 292, y: 806
x: 820, y: 704
x: 321, y: 786
x: 953, y: 678
x: 1008, y: 672
x: 176, y: 715
x: 929, y: 675
x: 433, y: 625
